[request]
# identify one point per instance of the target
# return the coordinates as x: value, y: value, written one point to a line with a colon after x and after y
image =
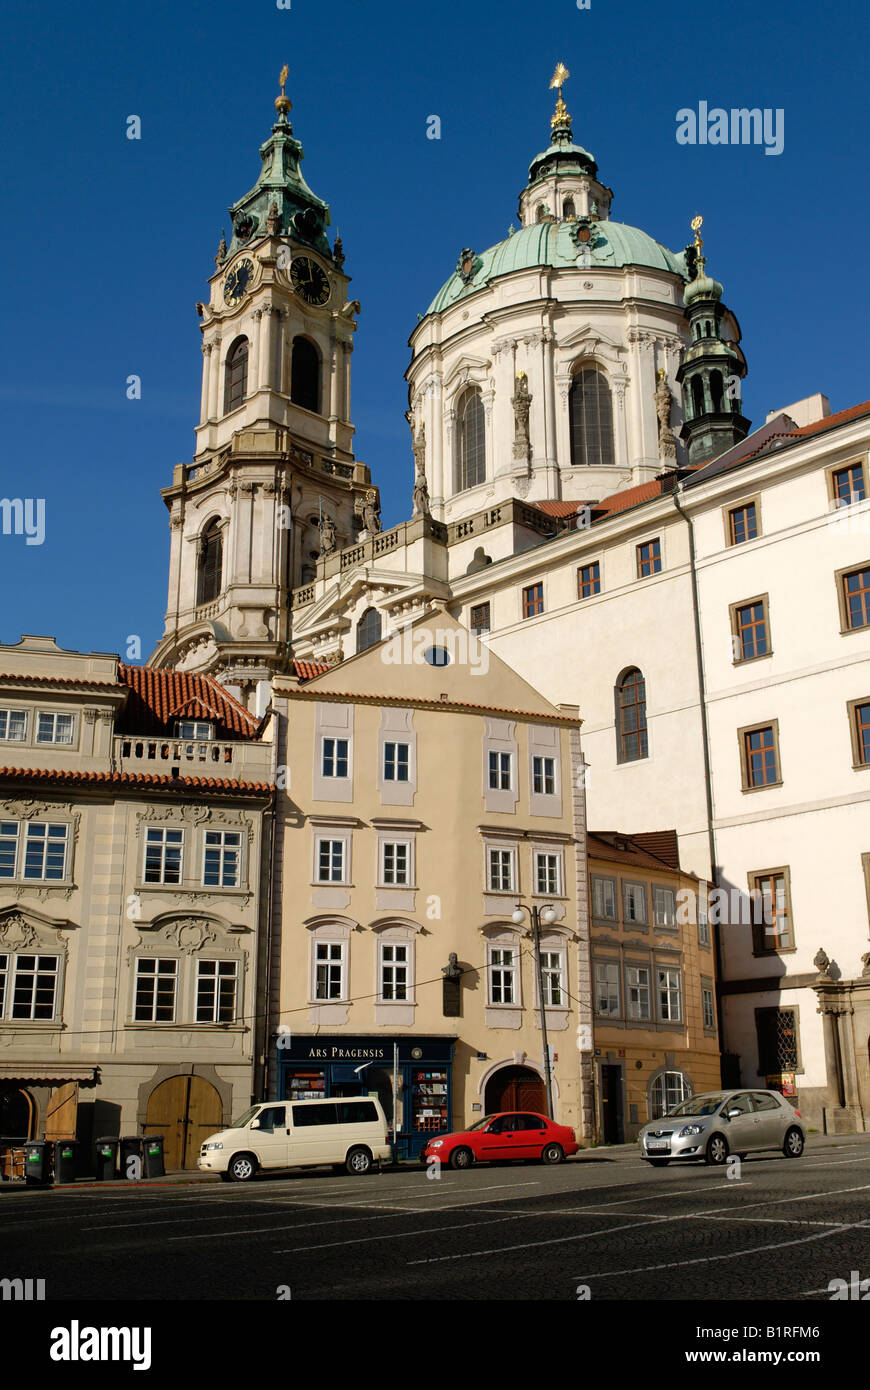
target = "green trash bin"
x: 36, y: 1153
x: 65, y: 1160
x: 107, y: 1159
x: 155, y: 1163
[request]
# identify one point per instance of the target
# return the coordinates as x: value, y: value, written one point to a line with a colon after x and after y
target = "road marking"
x: 395, y: 1235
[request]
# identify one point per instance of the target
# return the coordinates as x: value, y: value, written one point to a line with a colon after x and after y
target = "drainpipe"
x: 271, y: 814
x: 705, y: 740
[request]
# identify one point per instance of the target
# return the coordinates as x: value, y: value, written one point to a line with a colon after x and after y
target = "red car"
x: 510, y: 1134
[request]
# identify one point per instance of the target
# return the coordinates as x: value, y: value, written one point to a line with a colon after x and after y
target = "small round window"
x: 437, y: 656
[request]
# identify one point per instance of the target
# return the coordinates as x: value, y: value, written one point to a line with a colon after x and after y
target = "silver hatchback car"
x: 712, y: 1126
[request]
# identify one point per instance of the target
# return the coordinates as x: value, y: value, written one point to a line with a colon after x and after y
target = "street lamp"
x: 537, y: 916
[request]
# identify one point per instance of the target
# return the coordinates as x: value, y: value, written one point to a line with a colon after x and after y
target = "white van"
x: 349, y: 1133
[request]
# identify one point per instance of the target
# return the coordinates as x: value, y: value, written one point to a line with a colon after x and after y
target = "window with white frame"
x: 548, y: 873
x: 54, y: 728
x: 607, y: 988
x: 331, y: 861
x: 216, y: 990
x: 668, y: 1090
x: 634, y: 907
x: 394, y: 977
x: 500, y: 771
x: 553, y: 972
x: 45, y: 850
x: 194, y: 728
x: 604, y: 898
x: 156, y: 987
x: 637, y: 991
x: 221, y: 861
x: 670, y: 994
x: 9, y: 830
x: 397, y: 759
x: 501, y: 871
x: 664, y: 906
x: 29, y: 986
x: 502, y: 975
x: 13, y: 725
x: 395, y: 863
x: 163, y: 855
x: 334, y: 759
x: 329, y: 957
x: 544, y: 776
x: 708, y: 1008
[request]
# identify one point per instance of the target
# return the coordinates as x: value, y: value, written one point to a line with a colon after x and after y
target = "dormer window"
x: 194, y: 728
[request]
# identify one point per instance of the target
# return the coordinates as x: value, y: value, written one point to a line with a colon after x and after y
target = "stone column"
x: 206, y: 369
x: 551, y: 450
x: 254, y: 351
x: 215, y: 376
x: 264, y: 363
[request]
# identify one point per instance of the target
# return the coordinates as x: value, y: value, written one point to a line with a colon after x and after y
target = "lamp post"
x: 537, y: 916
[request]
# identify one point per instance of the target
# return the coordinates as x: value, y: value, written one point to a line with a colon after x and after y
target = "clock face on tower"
x: 309, y: 281
x: 237, y: 282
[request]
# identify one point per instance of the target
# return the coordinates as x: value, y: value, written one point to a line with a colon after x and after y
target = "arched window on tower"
x: 591, y: 419
x: 210, y: 563
x: 568, y: 208
x: 470, y: 442
x: 717, y: 390
x: 368, y: 630
x: 698, y: 406
x: 236, y: 375
x: 631, y: 732
x: 305, y: 375
x: 540, y: 212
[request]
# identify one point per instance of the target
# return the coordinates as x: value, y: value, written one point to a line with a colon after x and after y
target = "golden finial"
x: 283, y: 103
x: 696, y: 224
x: 560, y: 116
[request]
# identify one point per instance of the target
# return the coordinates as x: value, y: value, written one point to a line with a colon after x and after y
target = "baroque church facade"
x: 589, y: 504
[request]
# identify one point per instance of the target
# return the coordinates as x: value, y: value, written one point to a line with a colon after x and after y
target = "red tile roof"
x: 460, y: 706
x: 159, y: 697
x: 654, y: 849
x: 79, y: 682
x: 556, y: 507
x: 828, y: 422
x: 307, y: 670
x: 662, y: 843
x: 632, y: 497
x: 134, y: 779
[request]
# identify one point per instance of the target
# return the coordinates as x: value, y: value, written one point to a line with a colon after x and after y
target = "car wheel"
x: 242, y: 1167
x: 659, y: 1162
x: 794, y: 1143
x: 552, y: 1153
x: 461, y: 1158
x: 717, y: 1149
x: 358, y: 1162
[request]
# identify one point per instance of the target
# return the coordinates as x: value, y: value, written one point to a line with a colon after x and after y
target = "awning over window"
x: 37, y: 1073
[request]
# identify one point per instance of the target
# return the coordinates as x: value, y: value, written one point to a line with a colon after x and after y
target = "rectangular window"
x: 638, y: 990
x: 500, y: 770
x: 156, y: 982
x: 743, y: 523
x: 395, y: 863
x: 501, y: 870
x: 4, y: 975
x: 604, y: 898
x: 548, y: 875
x: 771, y: 912
x: 760, y: 757
x: 479, y: 620
x: 533, y: 600
x: 861, y: 733
x: 855, y: 598
x: 664, y: 906
x: 552, y: 968
x: 329, y: 970
x: 163, y: 852
x: 649, y: 558
x: 708, y: 1009
x: 45, y: 850
x: 8, y: 848
x: 216, y: 984
x: 669, y: 994
x: 749, y: 626
x: 634, y: 905
x: 777, y: 1040
x: 194, y: 728
x: 394, y: 972
x: 544, y: 776
x: 589, y: 580
x: 607, y: 988
x: 34, y: 987
x: 501, y: 975
x: 848, y: 484
x: 703, y: 922
x: 13, y: 725
x: 54, y: 728
x: 330, y: 861
x: 222, y: 859
x: 396, y: 761
x: 334, y: 757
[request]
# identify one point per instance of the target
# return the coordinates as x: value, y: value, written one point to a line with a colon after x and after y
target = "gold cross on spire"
x: 696, y: 224
x: 283, y: 103
x: 560, y: 116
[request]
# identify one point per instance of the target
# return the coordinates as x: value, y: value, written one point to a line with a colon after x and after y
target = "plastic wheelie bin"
x: 65, y: 1151
x: 107, y: 1159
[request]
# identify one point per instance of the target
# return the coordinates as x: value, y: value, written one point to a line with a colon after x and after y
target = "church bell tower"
x: 273, y: 483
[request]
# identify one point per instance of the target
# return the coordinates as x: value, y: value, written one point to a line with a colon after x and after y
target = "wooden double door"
x: 515, y: 1088
x: 185, y: 1110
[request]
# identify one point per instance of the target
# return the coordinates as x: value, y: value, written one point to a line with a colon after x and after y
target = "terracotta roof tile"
x: 557, y: 507
x: 68, y: 776
x: 307, y: 670
x: 78, y: 682
x: 655, y: 849
x: 632, y: 497
x: 158, y: 697
x: 461, y: 706
x: 842, y: 417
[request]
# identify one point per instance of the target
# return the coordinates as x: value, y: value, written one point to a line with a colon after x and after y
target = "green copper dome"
x: 613, y: 245
x: 702, y: 287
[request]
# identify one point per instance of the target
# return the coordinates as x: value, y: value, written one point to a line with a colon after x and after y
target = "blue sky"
x: 107, y: 242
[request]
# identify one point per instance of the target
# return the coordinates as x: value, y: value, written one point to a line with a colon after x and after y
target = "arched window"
x: 717, y: 390
x: 666, y: 1090
x: 368, y: 630
x: 540, y: 212
x: 698, y: 407
x: 568, y: 208
x: 210, y: 564
x: 236, y: 375
x: 591, y: 416
x: 471, y: 442
x: 631, y: 734
x: 305, y: 375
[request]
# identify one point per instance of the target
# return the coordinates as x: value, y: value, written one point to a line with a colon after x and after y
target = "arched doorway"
x: 185, y: 1110
x: 515, y: 1088
x: 17, y: 1113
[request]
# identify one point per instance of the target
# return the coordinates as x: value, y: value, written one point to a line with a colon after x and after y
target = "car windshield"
x: 699, y: 1105
x: 480, y: 1123
x: 243, y: 1119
